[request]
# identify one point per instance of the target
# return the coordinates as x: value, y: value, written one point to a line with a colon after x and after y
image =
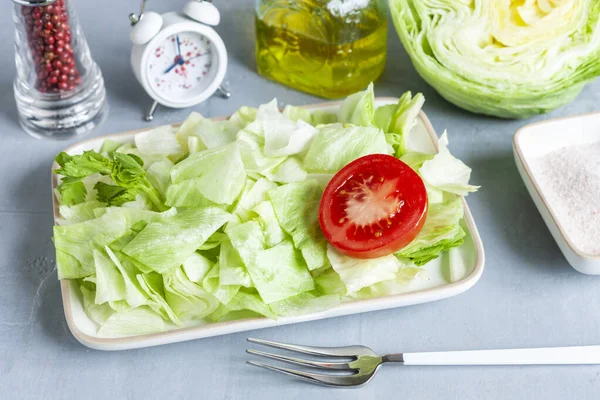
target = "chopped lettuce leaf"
x: 441, y: 231
x: 232, y: 268
x: 446, y: 172
x: 137, y: 321
x: 165, y: 245
x: 212, y: 283
x: 284, y: 137
x: 187, y: 299
x: 305, y: 303
x: 110, y: 285
x: 158, y: 175
x: 336, y: 145
x: 78, y: 213
x: 196, y: 266
x: 358, y: 108
x: 220, y: 171
x: 359, y: 273
x: 298, y: 114
x: 296, y: 206
x: 243, y: 301
x: 153, y: 285
x: 159, y: 140
x: 278, y: 272
x: 99, y: 313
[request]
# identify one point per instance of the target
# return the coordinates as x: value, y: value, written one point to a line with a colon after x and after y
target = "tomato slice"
x: 372, y: 207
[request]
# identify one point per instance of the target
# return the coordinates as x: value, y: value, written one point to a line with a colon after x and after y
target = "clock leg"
x: 150, y: 114
x: 224, y: 92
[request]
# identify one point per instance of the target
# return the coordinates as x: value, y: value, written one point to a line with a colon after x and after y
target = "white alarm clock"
x: 179, y: 59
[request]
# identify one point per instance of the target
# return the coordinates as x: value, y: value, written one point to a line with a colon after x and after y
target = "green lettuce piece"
x: 82, y: 165
x: 336, y: 145
x: 401, y: 284
x: 115, y: 195
x: 205, y: 133
x: 79, y: 212
x: 220, y: 171
x: 296, y: 206
x: 232, y: 268
x: 196, y: 266
x: 272, y: 232
x: 75, y: 243
x: 358, y: 108
x: 298, y: 113
x: 243, y: 301
x: 284, y: 137
x: 254, y: 193
x: 290, y: 170
x: 251, y: 143
x: 159, y: 176
x: 446, y: 172
x: 109, y: 147
x: 165, y: 245
x: 359, y: 273
x: 137, y: 321
x: 110, y: 285
x: 212, y: 284
x: 187, y: 131
x: 441, y: 231
x: 242, y: 118
x: 134, y: 294
x: 72, y: 192
x: 329, y: 282
x: 187, y: 193
x: 187, y: 299
x: 99, y: 313
x: 152, y: 284
x: 305, y: 303
x: 159, y: 140
x: 278, y: 272
x: 320, y: 117
x: 398, y: 120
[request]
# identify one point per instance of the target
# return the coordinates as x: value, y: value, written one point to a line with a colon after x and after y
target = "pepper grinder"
x: 59, y: 88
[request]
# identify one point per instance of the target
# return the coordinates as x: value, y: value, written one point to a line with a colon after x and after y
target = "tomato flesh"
x: 374, y: 206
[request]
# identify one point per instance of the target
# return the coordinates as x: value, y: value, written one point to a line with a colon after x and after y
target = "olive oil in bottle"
x: 329, y: 48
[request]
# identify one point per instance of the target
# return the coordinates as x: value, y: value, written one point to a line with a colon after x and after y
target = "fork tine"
x: 348, y: 351
x: 319, y: 379
x: 307, y: 363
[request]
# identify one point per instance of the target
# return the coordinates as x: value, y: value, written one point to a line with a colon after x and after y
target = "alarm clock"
x: 178, y: 58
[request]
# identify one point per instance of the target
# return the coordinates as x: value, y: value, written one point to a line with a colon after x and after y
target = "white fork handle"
x: 539, y: 356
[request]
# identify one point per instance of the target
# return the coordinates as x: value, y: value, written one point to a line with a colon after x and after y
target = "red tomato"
x: 372, y: 207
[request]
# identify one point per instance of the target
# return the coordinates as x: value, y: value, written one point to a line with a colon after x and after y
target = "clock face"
x: 181, y: 66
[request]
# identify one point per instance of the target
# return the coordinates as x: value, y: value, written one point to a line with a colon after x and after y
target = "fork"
x: 356, y: 365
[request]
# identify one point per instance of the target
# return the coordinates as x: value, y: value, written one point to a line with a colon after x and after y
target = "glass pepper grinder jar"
x: 59, y: 89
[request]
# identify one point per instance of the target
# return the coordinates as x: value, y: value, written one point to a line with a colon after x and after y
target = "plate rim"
x: 227, y: 327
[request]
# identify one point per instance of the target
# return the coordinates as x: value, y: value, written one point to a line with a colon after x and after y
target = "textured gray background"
x: 528, y: 295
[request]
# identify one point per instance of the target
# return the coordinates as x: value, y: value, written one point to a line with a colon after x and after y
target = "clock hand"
x: 200, y: 55
x: 171, y: 67
x: 178, y: 61
x: 178, y: 46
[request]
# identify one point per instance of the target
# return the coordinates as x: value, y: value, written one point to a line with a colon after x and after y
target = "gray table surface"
x: 528, y: 295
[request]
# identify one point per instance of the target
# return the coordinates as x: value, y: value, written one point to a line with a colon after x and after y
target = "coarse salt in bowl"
x: 559, y: 161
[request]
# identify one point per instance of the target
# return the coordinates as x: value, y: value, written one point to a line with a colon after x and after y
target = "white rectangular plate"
x: 538, y: 139
x: 449, y: 275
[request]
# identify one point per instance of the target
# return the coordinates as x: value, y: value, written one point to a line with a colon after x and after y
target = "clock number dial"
x: 180, y: 67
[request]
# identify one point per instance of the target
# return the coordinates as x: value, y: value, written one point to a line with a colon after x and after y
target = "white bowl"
x: 535, y: 140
